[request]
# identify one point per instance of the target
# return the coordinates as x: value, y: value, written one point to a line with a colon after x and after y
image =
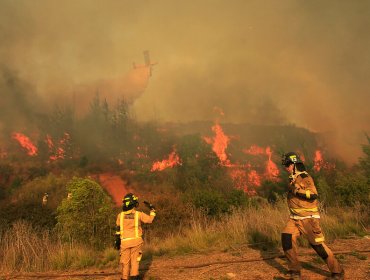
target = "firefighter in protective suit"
x: 129, y: 235
x: 304, y: 219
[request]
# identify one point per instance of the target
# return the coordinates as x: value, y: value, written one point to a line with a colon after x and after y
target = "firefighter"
x: 129, y: 234
x: 304, y: 219
x: 45, y: 199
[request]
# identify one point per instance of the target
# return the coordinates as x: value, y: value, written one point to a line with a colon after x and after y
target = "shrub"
x: 326, y: 194
x: 34, y: 213
x: 172, y: 212
x: 36, y: 171
x: 87, y: 216
x: 237, y: 198
x: 32, y: 191
x: 272, y: 191
x: 200, y: 166
x: 26, y: 202
x: 6, y: 171
x: 352, y: 188
x: 210, y: 201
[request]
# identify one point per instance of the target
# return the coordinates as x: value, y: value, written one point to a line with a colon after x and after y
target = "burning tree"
x: 25, y: 143
x: 243, y: 175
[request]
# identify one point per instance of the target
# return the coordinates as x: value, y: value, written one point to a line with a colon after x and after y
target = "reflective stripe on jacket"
x: 302, y: 205
x: 136, y: 225
x: 129, y: 223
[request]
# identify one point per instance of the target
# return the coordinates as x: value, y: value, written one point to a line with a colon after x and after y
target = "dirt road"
x: 239, y: 264
x: 227, y: 266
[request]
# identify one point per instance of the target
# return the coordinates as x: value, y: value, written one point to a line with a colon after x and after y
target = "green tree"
x: 87, y: 216
x: 352, y: 188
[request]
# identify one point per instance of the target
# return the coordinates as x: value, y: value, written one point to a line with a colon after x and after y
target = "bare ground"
x: 239, y: 264
x: 115, y: 186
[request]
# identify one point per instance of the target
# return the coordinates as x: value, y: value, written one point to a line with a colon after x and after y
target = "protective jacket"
x: 305, y: 219
x: 302, y: 196
x: 129, y: 226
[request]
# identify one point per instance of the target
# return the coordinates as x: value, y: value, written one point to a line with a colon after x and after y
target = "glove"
x: 117, y: 242
x: 149, y: 205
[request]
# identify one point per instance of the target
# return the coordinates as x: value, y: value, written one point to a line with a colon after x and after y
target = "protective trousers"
x: 309, y: 227
x: 130, y: 259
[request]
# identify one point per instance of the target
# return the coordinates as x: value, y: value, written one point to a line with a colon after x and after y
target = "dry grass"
x: 243, y: 226
x: 22, y: 248
x: 252, y: 226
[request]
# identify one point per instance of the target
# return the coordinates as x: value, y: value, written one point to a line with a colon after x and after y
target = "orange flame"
x: 173, y: 160
x: 239, y: 178
x: 272, y: 171
x: 49, y: 142
x: 301, y: 156
x: 25, y: 143
x: 57, y: 152
x: 254, y: 179
x: 219, y: 143
x: 255, y: 150
x: 243, y: 176
x: 318, y: 161
x: 243, y: 180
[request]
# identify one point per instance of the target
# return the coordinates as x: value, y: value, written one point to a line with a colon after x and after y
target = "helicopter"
x: 148, y: 64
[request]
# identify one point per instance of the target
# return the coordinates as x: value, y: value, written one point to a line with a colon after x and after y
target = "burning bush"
x: 200, y: 167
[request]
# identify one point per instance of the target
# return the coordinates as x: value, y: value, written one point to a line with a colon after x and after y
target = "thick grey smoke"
x: 262, y: 62
x: 20, y: 107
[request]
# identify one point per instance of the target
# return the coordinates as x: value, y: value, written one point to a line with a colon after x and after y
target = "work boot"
x: 337, y: 276
x: 294, y: 275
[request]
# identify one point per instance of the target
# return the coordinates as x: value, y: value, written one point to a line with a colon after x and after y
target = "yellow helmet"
x: 290, y: 158
x: 129, y: 201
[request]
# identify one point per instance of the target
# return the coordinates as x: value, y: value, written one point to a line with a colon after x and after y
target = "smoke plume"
x: 262, y: 62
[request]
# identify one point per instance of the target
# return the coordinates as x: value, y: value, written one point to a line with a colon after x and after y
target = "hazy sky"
x: 264, y: 62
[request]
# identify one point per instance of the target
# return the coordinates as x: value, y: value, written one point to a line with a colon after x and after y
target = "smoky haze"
x: 262, y: 62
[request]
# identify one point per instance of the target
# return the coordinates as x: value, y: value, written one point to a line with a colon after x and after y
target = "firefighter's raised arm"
x: 148, y: 218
